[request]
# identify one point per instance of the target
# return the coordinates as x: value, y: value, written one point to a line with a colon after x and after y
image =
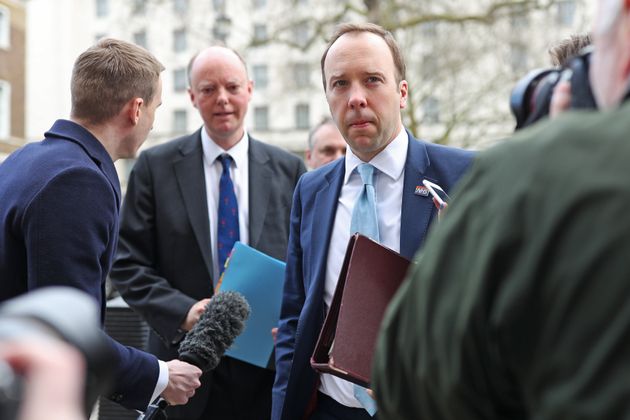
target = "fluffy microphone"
x: 204, y: 345
x: 220, y: 323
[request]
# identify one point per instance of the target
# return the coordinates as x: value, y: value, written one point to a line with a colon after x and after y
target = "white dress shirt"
x: 388, y: 182
x: 239, y: 172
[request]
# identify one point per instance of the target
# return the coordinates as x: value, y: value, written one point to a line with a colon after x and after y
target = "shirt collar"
x: 238, y: 152
x: 390, y: 161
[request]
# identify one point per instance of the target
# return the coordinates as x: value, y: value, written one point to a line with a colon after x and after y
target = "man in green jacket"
x: 519, y: 306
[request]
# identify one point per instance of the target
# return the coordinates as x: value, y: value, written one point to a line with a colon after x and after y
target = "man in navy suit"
x: 60, y: 198
x: 364, y: 80
x: 169, y: 261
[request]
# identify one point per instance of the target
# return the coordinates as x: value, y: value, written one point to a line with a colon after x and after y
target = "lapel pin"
x: 421, y: 190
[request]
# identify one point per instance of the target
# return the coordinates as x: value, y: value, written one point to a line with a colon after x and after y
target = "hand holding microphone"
x: 183, y: 380
x: 204, y: 345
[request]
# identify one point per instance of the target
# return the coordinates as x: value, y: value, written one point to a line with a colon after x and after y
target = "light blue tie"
x: 364, y: 217
x: 365, y: 221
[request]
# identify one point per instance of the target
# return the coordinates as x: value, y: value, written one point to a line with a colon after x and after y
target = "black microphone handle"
x: 156, y: 410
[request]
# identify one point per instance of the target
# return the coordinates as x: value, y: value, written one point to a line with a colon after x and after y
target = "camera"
x: 531, y: 96
x: 55, y: 313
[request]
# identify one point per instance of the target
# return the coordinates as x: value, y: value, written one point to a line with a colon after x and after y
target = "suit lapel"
x: 325, y: 204
x: 191, y: 181
x: 417, y: 210
x: 260, y: 184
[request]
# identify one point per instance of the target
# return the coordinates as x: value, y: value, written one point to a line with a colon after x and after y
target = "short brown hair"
x: 563, y: 51
x: 108, y: 75
x: 344, y: 28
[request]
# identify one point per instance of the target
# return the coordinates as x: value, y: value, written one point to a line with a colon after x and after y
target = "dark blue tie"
x: 227, y: 223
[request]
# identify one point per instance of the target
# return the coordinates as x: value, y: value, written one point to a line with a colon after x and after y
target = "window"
x: 139, y: 7
x: 140, y: 38
x: 302, y: 75
x: 261, y: 77
x: 180, y: 83
x: 5, y: 109
x: 259, y: 4
x: 260, y: 32
x: 261, y: 118
x: 302, y: 117
x: 431, y: 110
x: 180, y: 121
x: 221, y: 28
x: 566, y: 12
x: 180, y: 6
x: 179, y: 40
x: 102, y: 8
x: 5, y: 27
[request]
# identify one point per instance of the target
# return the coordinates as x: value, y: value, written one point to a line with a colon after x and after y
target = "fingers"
x: 183, y: 380
x: 194, y: 313
x: 54, y: 378
x: 561, y: 98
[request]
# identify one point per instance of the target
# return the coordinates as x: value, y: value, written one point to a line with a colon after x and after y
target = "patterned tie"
x: 364, y: 217
x: 227, y: 226
x: 365, y: 221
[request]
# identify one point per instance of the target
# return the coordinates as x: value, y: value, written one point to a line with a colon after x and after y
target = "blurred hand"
x: 54, y: 378
x: 183, y: 380
x: 194, y: 313
x: 560, y: 99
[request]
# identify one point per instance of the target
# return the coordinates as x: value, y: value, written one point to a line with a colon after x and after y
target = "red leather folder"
x: 370, y: 275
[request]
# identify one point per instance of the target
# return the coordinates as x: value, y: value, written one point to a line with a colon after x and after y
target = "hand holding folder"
x: 370, y: 275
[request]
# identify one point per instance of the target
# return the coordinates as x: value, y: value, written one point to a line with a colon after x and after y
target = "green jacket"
x: 519, y: 307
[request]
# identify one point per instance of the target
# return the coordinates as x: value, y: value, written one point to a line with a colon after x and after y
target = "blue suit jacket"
x: 312, y: 217
x: 59, y: 202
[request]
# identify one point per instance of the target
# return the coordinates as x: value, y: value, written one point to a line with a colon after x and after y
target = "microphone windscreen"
x: 217, y: 328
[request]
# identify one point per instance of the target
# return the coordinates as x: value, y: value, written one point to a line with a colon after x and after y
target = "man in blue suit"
x: 364, y: 80
x: 60, y: 198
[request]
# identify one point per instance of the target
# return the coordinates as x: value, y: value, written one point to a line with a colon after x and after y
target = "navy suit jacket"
x: 59, y: 202
x: 312, y: 219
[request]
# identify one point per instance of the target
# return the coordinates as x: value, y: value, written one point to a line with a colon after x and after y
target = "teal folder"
x: 260, y: 278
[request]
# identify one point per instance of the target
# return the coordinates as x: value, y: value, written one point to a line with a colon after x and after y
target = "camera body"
x: 531, y: 96
x: 56, y: 313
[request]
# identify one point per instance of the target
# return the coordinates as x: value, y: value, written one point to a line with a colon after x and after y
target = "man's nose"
x: 357, y: 98
x: 222, y: 96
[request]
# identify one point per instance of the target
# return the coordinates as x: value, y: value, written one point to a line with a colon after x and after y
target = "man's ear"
x: 404, y: 91
x: 191, y: 95
x: 134, y: 110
